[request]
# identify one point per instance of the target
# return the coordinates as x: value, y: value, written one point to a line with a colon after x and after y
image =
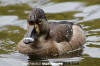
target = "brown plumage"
x: 51, y: 39
x: 61, y: 32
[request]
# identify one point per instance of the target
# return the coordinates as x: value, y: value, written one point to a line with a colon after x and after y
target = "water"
x: 13, y: 16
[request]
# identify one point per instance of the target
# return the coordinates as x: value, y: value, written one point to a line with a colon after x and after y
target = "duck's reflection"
x: 72, y: 58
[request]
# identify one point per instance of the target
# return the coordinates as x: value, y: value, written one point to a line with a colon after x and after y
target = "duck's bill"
x: 31, y: 35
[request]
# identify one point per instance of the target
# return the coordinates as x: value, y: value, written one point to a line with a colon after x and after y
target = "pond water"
x: 13, y: 14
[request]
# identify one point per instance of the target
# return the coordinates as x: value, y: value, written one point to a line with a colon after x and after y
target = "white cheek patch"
x: 31, y: 39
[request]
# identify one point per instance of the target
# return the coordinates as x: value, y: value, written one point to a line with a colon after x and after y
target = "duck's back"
x: 61, y: 31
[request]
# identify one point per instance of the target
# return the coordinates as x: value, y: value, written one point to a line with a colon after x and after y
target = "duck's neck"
x: 44, y: 27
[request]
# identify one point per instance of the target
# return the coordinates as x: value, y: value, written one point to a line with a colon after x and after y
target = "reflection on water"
x: 13, y: 20
x: 71, y: 58
x: 7, y: 44
x: 32, y: 3
x: 13, y: 27
x: 13, y: 59
x: 63, y: 7
x: 89, y: 13
x: 55, y: 62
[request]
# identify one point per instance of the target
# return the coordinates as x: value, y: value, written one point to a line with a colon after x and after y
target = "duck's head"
x: 37, y: 25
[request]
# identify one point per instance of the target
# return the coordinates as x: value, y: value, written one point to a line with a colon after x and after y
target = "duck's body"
x: 59, y: 39
x: 45, y: 47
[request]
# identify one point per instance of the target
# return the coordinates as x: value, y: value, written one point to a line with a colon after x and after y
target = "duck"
x: 45, y: 38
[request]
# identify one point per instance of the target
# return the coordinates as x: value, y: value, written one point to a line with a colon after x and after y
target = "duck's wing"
x: 61, y: 32
x: 54, y: 24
